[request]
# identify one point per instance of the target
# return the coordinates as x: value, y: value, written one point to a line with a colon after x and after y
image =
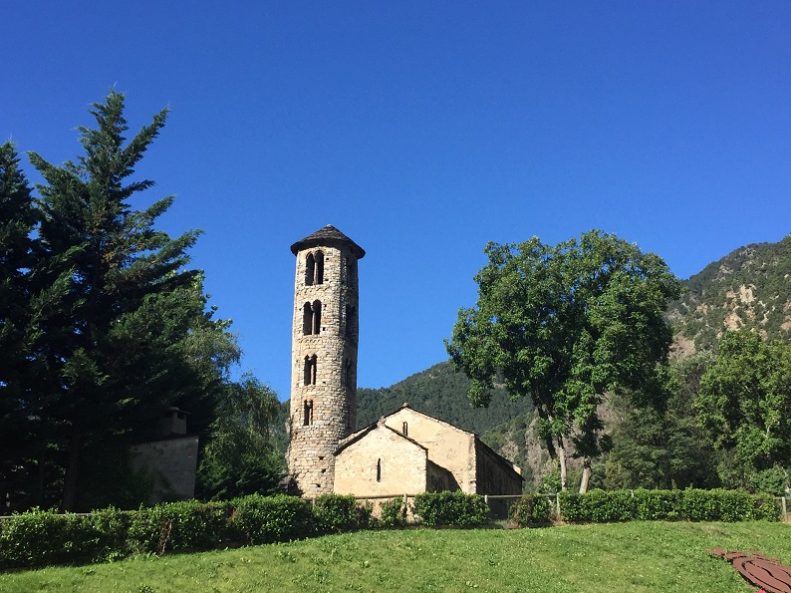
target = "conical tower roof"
x: 329, y: 236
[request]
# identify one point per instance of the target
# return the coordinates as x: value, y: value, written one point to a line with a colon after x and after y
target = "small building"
x: 408, y: 452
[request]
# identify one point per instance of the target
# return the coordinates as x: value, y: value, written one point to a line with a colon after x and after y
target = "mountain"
x: 750, y: 288
x: 441, y: 392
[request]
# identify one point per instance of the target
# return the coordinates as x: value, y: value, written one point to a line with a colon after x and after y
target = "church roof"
x: 329, y: 236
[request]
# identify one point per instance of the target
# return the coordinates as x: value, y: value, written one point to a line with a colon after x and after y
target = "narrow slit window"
x: 307, y: 410
x: 378, y: 470
x: 405, y: 429
x: 310, y: 269
x: 319, y: 267
x: 348, y: 378
x: 350, y: 319
x: 316, y: 317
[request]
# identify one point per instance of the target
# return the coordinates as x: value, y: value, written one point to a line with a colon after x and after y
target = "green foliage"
x: 103, y: 323
x: 265, y: 519
x: 39, y: 538
x: 439, y: 392
x: 744, y: 404
x: 393, y: 513
x: 335, y: 513
x: 451, y: 509
x: 179, y: 526
x: 241, y: 456
x: 564, y: 324
x: 532, y: 510
x: 607, y: 506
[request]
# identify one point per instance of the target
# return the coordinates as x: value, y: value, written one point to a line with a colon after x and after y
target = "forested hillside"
x: 439, y: 391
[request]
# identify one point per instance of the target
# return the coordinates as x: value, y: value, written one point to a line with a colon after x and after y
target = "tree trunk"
x: 561, y: 449
x: 586, y: 475
x: 72, y: 467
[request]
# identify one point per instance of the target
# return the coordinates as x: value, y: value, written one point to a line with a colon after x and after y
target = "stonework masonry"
x: 324, y: 356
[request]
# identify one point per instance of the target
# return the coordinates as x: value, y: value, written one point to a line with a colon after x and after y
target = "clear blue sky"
x: 422, y: 130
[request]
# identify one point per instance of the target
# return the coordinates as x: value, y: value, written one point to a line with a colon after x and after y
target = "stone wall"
x: 170, y: 464
x: 448, y: 446
x: 381, y: 463
x: 332, y: 396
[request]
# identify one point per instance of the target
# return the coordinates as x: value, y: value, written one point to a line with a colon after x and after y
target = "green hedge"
x: 335, y: 513
x: 39, y: 538
x: 266, y: 519
x: 451, y: 509
x: 532, y: 510
x: 607, y: 506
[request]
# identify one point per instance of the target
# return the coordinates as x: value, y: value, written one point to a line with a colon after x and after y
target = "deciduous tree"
x: 562, y: 325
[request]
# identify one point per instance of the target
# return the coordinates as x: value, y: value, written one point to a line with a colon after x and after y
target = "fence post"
x: 785, y: 510
x: 557, y: 505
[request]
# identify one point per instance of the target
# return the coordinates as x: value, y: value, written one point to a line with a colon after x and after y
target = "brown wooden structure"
x: 759, y: 570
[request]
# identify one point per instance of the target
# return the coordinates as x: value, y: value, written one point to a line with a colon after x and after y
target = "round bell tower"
x: 323, y: 356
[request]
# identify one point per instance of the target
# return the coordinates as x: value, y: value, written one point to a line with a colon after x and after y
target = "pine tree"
x: 136, y: 335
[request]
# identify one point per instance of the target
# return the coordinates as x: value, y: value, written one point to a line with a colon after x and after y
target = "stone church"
x: 405, y: 452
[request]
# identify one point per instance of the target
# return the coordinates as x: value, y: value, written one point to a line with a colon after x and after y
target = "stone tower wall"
x: 333, y: 396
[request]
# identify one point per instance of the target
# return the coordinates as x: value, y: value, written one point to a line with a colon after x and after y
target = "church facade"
x: 405, y: 452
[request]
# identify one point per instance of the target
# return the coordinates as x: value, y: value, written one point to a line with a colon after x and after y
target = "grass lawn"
x: 629, y: 557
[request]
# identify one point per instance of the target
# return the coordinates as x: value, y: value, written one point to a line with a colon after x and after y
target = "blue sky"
x: 422, y: 130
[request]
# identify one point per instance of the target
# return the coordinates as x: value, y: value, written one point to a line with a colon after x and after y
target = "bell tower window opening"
x: 319, y: 267
x: 310, y: 269
x: 310, y: 370
x: 307, y: 319
x: 316, y: 317
x: 307, y: 411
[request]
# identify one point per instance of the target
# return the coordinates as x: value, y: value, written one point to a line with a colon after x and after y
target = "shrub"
x: 532, y: 510
x: 265, y: 519
x: 335, y: 513
x: 453, y: 509
x: 597, y: 506
x: 178, y: 526
x: 393, y: 513
x: 658, y: 505
x: 38, y: 538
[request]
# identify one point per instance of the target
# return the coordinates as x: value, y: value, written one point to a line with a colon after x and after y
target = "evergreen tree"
x: 135, y: 335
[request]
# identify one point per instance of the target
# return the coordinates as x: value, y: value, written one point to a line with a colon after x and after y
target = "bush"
x: 335, y: 513
x: 658, y: 505
x: 264, y: 519
x: 179, y: 526
x: 453, y: 509
x: 38, y: 538
x: 599, y: 506
x: 393, y: 513
x: 532, y: 510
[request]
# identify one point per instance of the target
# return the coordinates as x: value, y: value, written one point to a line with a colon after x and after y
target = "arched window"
x: 405, y: 429
x: 307, y: 410
x: 307, y: 319
x: 310, y: 370
x: 316, y: 317
x: 319, y: 267
x: 378, y: 470
x: 310, y: 269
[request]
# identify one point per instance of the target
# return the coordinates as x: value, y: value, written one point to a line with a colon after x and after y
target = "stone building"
x: 406, y: 452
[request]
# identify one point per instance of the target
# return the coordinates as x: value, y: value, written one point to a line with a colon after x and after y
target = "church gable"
x: 379, y: 461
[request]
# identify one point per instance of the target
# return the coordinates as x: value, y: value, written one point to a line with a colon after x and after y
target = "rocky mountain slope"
x: 750, y: 288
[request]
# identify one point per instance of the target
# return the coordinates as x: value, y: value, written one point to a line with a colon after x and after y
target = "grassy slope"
x: 635, y: 557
